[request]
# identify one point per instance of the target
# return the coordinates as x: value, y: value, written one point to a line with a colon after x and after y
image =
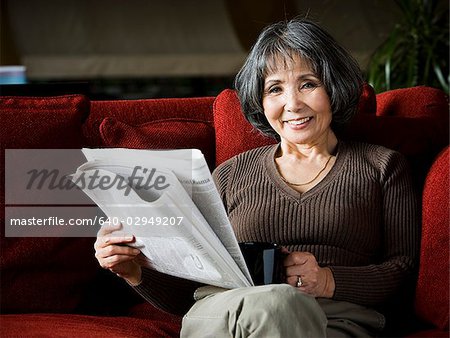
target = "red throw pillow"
x: 43, y: 274
x: 172, y: 133
x: 135, y: 112
x: 432, y: 293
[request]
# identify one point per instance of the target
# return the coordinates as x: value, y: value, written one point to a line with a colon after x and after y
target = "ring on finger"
x: 299, y: 281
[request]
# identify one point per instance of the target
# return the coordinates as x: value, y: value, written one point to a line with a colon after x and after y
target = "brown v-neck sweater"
x: 361, y: 221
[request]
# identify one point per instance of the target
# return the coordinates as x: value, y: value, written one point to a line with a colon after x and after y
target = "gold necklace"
x: 309, y: 182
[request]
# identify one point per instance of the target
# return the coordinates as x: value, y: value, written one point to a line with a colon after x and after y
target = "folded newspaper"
x: 169, y: 202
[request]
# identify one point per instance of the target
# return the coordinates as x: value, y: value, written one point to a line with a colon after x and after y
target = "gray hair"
x: 332, y: 64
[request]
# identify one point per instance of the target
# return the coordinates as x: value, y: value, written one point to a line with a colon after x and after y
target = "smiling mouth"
x: 298, y: 122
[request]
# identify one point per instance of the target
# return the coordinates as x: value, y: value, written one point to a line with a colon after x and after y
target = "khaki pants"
x: 275, y: 311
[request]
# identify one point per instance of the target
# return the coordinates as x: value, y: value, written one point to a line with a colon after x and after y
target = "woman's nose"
x: 293, y: 101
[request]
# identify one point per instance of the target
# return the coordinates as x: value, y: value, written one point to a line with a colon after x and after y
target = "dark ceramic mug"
x: 264, y: 262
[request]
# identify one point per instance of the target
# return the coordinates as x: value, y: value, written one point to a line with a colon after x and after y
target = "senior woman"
x: 344, y: 212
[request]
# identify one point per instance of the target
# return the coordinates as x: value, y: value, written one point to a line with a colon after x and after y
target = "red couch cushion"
x: 54, y: 325
x: 432, y: 293
x: 43, y: 274
x: 47, y: 122
x: 138, y: 113
x: 429, y: 334
x: 171, y: 133
x: 234, y: 134
x: 418, y: 102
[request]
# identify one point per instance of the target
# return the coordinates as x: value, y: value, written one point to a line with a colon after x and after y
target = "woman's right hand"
x: 113, y: 253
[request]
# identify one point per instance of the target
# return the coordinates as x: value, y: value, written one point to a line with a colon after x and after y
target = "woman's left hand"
x: 304, y: 273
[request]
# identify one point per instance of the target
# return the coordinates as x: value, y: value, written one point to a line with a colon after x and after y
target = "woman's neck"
x: 325, y: 146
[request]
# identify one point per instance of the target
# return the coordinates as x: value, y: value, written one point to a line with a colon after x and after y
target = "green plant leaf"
x: 440, y: 76
x: 416, y: 51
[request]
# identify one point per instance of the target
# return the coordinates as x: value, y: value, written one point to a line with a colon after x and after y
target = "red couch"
x: 54, y: 286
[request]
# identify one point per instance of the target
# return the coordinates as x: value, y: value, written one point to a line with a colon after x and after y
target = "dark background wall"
x: 147, y: 48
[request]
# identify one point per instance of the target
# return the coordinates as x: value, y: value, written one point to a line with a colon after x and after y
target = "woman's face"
x: 296, y: 103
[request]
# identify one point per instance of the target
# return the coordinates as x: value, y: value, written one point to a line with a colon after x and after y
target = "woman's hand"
x: 113, y: 254
x: 315, y: 280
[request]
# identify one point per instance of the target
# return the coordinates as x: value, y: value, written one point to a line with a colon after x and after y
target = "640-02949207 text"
x: 97, y: 220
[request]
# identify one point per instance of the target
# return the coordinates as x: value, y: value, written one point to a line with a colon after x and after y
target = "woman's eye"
x: 274, y: 90
x: 309, y: 85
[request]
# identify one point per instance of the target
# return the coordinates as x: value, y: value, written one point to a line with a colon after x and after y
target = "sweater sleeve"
x: 379, y: 283
x: 221, y: 176
x: 168, y: 293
